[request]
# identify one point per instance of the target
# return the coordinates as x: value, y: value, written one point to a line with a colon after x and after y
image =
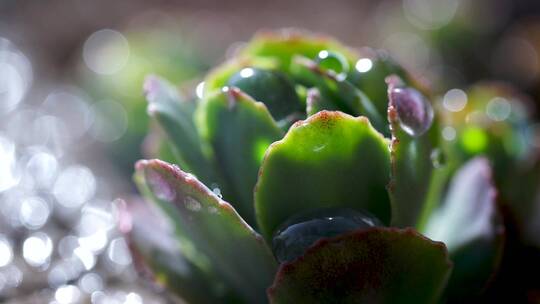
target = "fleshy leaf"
x: 329, y: 160
x: 236, y: 251
x: 342, y: 93
x: 316, y: 103
x: 369, y: 74
x: 175, y: 116
x: 469, y: 224
x: 273, y: 88
x: 159, y: 256
x: 239, y: 130
x: 411, y: 152
x: 283, y: 45
x: 376, y: 265
x: 273, y: 50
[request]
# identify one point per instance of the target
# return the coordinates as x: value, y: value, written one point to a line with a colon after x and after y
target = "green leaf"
x: 369, y: 74
x: 175, y: 116
x: 414, y: 139
x: 159, y: 257
x: 316, y: 103
x: 273, y: 50
x: 239, y: 130
x: 283, y: 45
x: 271, y: 87
x: 329, y: 160
x: 469, y: 224
x: 376, y: 265
x: 219, y: 77
x: 234, y: 249
x: 342, y: 93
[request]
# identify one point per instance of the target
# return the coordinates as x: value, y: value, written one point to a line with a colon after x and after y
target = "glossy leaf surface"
x: 329, y: 160
x: 239, y: 130
x: 175, y: 116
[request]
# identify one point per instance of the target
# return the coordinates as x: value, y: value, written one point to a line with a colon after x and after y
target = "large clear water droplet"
x: 300, y: 232
x: 415, y: 112
x: 335, y: 62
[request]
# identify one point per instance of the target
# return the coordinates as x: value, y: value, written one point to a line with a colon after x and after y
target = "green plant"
x: 311, y: 173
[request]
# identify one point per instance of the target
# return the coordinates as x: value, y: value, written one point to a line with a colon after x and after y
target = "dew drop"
x: 217, y: 192
x: 192, y: 204
x: 332, y: 61
x: 161, y: 187
x: 438, y: 158
x: 300, y: 232
x: 414, y: 111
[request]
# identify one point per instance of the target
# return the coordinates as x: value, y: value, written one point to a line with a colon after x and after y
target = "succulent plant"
x: 308, y: 172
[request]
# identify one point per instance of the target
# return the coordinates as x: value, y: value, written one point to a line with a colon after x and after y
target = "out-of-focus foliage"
x: 115, y: 67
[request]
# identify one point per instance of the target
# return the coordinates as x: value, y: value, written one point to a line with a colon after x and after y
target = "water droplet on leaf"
x: 438, y: 158
x: 302, y: 231
x: 335, y: 62
x: 217, y: 192
x: 160, y: 186
x: 192, y: 204
x: 414, y: 111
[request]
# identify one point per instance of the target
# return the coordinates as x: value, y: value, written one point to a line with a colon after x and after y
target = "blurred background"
x: 73, y: 119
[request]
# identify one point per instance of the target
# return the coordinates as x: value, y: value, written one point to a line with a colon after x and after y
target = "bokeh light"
x: 106, y: 51
x: 73, y: 116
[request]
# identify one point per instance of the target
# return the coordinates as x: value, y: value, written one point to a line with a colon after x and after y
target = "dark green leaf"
x: 369, y: 74
x: 239, y: 130
x: 175, y: 116
x: 316, y: 103
x: 273, y: 88
x: 340, y: 92
x: 375, y: 265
